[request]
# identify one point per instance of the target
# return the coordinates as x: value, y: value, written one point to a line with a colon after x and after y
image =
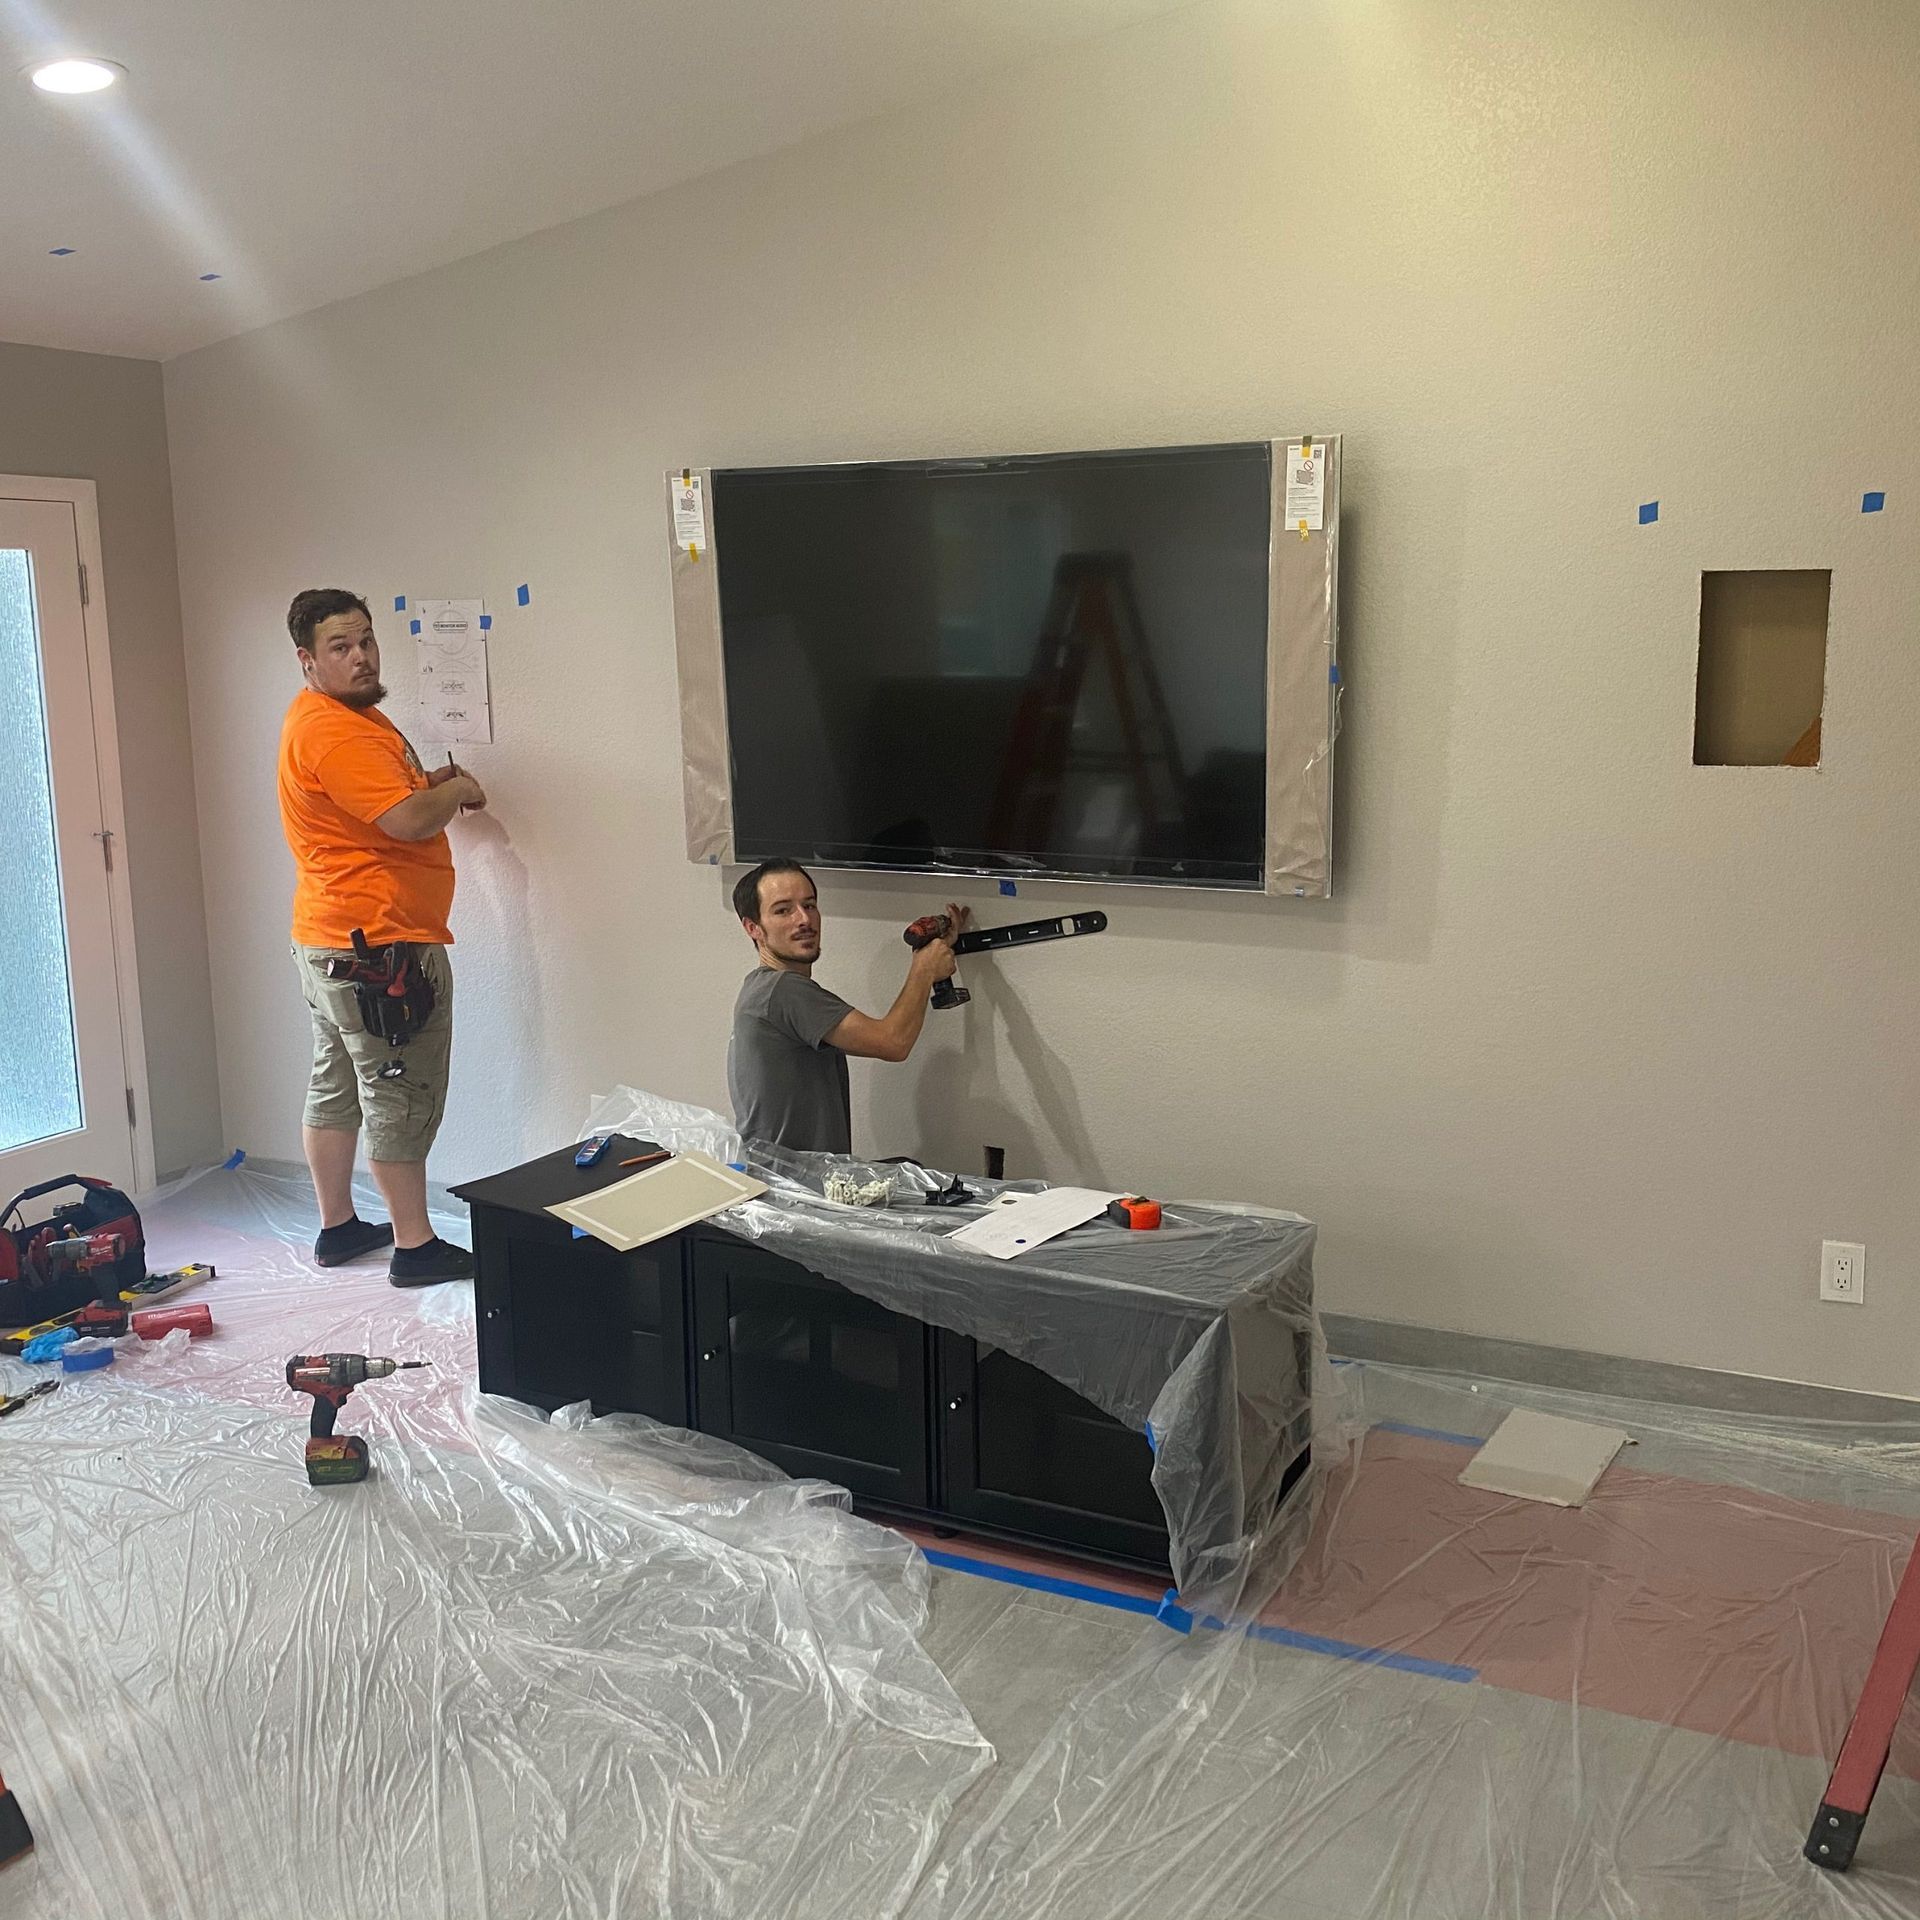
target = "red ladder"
x: 1863, y: 1754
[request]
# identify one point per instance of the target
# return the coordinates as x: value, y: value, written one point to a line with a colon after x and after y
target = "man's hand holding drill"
x: 934, y: 962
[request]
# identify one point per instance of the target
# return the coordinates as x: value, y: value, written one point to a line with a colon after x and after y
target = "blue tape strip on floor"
x: 233, y: 1159
x: 1430, y: 1433
x: 1368, y: 1656
x: 1168, y: 1610
x: 1041, y: 1582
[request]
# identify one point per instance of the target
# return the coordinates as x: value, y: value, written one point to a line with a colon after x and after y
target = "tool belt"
x: 394, y: 995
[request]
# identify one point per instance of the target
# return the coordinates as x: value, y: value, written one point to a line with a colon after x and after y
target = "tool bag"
x: 35, y: 1285
x: 394, y: 996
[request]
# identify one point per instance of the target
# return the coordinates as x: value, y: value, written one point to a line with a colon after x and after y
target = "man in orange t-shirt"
x: 367, y: 827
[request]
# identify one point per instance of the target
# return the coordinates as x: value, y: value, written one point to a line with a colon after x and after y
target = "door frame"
x: 84, y: 499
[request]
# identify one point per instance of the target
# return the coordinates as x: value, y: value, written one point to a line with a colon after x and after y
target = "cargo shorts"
x: 400, y: 1115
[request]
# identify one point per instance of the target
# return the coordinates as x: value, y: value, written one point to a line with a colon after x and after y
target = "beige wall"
x: 1594, y: 1045
x: 88, y: 416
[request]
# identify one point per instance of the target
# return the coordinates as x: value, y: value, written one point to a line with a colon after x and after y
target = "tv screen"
x: 1053, y: 664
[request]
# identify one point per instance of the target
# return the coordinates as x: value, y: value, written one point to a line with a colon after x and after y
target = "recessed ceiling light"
x: 209, y: 276
x: 76, y: 76
x: 60, y: 253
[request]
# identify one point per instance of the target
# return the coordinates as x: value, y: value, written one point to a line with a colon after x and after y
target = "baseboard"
x: 439, y: 1200
x: 1395, y: 1343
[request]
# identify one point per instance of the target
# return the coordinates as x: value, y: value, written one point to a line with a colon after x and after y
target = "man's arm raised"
x: 892, y: 1036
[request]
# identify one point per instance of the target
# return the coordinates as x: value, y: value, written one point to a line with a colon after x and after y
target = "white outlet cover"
x: 1843, y: 1272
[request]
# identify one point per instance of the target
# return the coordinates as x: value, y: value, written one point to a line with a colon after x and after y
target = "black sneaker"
x: 349, y: 1240
x: 429, y: 1264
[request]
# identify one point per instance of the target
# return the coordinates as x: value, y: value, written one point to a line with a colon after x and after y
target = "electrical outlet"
x: 1843, y: 1271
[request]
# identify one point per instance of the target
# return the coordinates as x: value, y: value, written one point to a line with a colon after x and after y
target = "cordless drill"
x: 923, y: 933
x: 336, y: 1461
x: 1024, y: 933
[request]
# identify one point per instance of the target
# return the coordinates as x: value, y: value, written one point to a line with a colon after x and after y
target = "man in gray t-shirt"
x: 787, y: 1061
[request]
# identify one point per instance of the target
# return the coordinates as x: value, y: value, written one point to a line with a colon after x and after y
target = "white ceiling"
x: 307, y: 152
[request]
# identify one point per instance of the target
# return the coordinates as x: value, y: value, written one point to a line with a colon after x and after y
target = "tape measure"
x: 1130, y: 1210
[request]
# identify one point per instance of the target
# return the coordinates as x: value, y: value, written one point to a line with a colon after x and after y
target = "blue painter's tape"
x: 1430, y: 1433
x: 233, y: 1159
x: 399, y: 603
x: 1649, y: 512
x: 486, y: 622
x: 1040, y: 1582
x: 1367, y: 1656
x: 413, y: 626
x: 1873, y: 503
x: 1333, y: 672
x: 521, y: 596
x: 1169, y: 1612
x: 579, y: 1233
x: 1008, y: 889
x: 1153, y: 1439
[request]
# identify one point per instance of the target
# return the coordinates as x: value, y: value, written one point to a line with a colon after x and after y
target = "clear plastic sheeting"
x: 1200, y: 1334
x: 605, y: 1669
x: 571, y: 1667
x: 1465, y: 1707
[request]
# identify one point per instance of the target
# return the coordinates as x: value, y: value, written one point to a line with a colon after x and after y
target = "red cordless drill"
x: 923, y: 932
x: 330, y: 1377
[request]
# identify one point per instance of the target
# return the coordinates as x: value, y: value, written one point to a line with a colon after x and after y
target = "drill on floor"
x: 336, y: 1461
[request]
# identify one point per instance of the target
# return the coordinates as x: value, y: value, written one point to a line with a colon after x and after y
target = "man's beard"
x: 362, y: 696
x: 801, y: 957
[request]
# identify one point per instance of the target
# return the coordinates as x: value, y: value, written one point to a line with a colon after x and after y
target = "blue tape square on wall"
x: 399, y: 603
x: 521, y: 596
x: 1873, y: 503
x: 1649, y: 512
x: 413, y: 626
x: 486, y: 623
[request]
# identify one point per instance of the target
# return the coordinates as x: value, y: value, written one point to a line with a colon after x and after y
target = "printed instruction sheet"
x: 456, y: 699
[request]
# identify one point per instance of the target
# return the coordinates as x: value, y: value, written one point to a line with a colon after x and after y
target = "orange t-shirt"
x: 341, y: 768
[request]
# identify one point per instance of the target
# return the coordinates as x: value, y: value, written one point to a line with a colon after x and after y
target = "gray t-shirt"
x: 788, y: 1086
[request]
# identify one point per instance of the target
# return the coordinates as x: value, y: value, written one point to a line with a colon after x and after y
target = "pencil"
x: 647, y: 1159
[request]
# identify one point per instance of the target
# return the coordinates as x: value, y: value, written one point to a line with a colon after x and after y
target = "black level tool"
x: 1024, y: 933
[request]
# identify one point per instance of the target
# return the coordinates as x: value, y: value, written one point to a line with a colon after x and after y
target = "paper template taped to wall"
x: 659, y: 1201
x: 456, y: 700
x: 1017, y: 1221
x: 689, y: 515
x: 1537, y: 1456
x: 1306, y: 485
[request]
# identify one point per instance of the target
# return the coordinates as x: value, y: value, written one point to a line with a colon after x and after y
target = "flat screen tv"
x: 1055, y: 665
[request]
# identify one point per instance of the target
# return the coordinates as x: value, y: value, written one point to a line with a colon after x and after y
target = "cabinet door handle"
x: 958, y: 1401
x: 712, y: 1354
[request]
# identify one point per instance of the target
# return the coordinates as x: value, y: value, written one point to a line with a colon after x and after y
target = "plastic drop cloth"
x: 1464, y: 1707
x: 1201, y: 1334
x: 567, y: 1668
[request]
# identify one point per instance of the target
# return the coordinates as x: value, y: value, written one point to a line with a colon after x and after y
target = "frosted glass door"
x: 39, y: 1063
x: 63, y: 1097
